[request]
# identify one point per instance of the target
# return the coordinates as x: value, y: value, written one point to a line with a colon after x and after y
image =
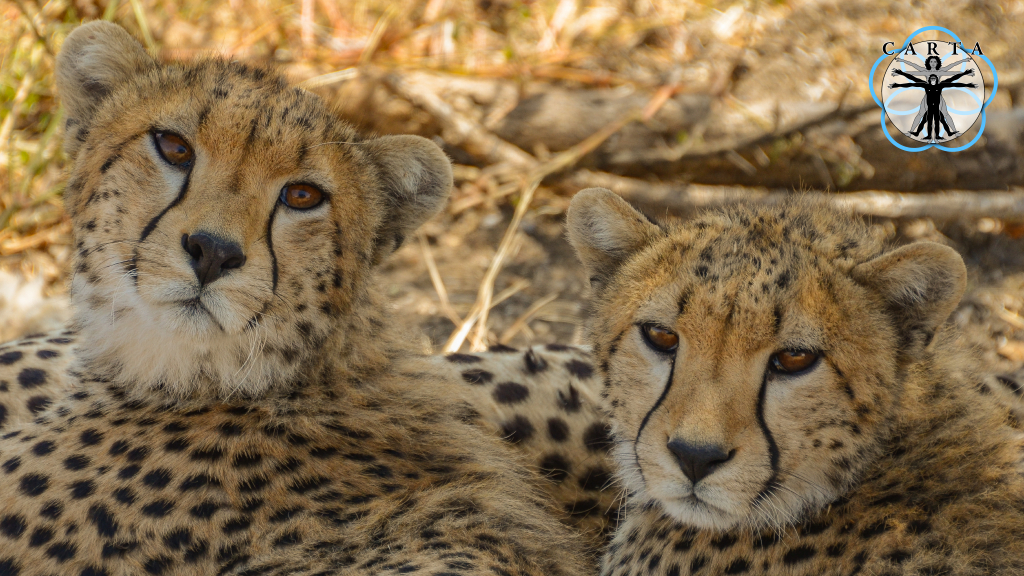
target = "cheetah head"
x: 225, y: 224
x: 753, y: 358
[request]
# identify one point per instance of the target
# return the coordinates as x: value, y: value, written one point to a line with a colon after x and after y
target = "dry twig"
x: 945, y: 205
x: 525, y: 318
x: 435, y: 279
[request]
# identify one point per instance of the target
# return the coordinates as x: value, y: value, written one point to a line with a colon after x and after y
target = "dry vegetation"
x: 720, y: 101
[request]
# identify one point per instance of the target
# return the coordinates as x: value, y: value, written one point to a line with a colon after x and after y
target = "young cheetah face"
x: 225, y: 223
x: 753, y: 358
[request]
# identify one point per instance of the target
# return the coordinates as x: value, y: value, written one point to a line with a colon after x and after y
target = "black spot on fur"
x: 597, y: 437
x: 11, y: 464
x: 581, y: 370
x: 82, y: 489
x: 157, y: 566
x: 510, y: 393
x: 204, y: 510
x: 558, y: 430
x: 37, y: 404
x: 799, y: 554
x: 76, y: 462
x: 178, y: 539
x: 62, y: 551
x: 517, y: 429
x: 534, y: 362
x: 738, y: 566
x: 103, y: 519
x: 596, y: 478
x: 12, y: 526
x: 555, y: 467
x: 8, y: 358
x: 8, y: 567
x: 874, y: 530
x: 570, y: 400
x: 125, y: 496
x: 158, y: 508
x: 158, y: 478
x: 34, y: 484
x: 463, y: 358
x: 31, y: 378
x: 52, y: 510
x: 477, y: 377
x: 40, y: 536
x: 288, y: 539
x: 43, y: 448
x: 91, y: 437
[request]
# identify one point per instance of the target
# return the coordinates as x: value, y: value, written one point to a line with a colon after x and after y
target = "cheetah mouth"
x: 194, y: 309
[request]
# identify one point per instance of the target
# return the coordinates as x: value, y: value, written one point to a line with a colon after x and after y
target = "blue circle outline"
x: 981, y: 130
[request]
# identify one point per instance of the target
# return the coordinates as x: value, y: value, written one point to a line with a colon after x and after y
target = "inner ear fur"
x: 922, y: 284
x: 605, y: 231
x: 94, y: 60
x: 417, y: 179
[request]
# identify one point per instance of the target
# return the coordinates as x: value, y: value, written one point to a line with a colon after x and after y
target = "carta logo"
x: 933, y: 91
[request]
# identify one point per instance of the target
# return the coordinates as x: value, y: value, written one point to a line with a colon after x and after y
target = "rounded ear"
x: 94, y: 60
x: 922, y: 284
x: 417, y: 179
x: 605, y: 231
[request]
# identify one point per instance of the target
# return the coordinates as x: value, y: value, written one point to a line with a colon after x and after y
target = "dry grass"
x: 600, y: 43
x: 662, y: 47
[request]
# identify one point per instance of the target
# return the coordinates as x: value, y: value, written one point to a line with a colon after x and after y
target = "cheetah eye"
x: 793, y: 361
x: 661, y: 339
x: 173, y: 148
x: 301, y: 196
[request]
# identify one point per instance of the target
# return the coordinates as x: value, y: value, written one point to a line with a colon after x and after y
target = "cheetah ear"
x: 94, y: 60
x: 922, y: 283
x: 417, y: 178
x: 605, y: 231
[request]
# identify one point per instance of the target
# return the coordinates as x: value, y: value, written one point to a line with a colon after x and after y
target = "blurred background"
x: 675, y: 104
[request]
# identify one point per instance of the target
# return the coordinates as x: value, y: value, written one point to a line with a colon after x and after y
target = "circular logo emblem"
x: 933, y: 91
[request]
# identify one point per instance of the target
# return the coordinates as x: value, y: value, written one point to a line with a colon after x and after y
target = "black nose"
x: 698, y: 462
x: 211, y: 256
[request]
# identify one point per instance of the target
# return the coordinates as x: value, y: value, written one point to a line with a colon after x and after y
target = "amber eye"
x: 793, y: 361
x: 173, y: 148
x: 301, y: 196
x: 661, y: 339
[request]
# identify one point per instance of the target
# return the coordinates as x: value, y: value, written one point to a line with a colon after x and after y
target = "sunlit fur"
x: 738, y: 287
x: 886, y: 455
x: 137, y: 299
x: 249, y: 426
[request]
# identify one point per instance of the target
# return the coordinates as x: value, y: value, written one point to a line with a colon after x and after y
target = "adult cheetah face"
x: 225, y: 223
x: 753, y: 358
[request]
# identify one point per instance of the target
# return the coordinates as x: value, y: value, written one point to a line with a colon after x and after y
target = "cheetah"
x: 542, y: 401
x: 235, y: 404
x: 787, y: 398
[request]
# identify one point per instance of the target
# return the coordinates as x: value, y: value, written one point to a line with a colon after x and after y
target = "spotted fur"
x: 258, y: 423
x: 544, y: 402
x: 886, y: 456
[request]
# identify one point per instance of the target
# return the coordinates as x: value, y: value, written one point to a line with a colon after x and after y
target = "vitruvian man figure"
x: 933, y: 106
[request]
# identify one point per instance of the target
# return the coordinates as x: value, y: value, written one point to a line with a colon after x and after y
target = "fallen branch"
x: 688, y: 151
x: 945, y: 205
x: 457, y: 129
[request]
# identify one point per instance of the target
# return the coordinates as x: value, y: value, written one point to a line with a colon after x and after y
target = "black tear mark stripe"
x: 773, y: 448
x: 647, y: 417
x: 181, y: 196
x: 270, y: 246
